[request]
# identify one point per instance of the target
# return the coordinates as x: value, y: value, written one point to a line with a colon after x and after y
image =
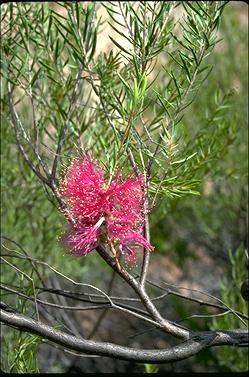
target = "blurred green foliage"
x: 215, y: 220
x: 19, y: 354
x: 236, y: 361
x: 149, y: 368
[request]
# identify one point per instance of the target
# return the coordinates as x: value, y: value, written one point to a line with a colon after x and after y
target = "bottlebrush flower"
x: 103, y: 213
x: 82, y: 239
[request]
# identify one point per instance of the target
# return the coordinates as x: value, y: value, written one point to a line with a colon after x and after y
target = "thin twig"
x: 15, y: 118
x: 225, y: 306
x: 63, y: 130
x: 103, y: 314
x: 30, y: 279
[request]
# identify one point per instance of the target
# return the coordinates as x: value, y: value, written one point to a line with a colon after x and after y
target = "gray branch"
x: 196, y: 343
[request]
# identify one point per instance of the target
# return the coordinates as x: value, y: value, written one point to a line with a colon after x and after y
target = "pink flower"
x: 131, y: 240
x: 82, y: 187
x: 83, y: 238
x: 103, y: 213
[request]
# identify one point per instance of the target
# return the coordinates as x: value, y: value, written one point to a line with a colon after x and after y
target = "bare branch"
x: 146, y: 257
x: 224, y: 306
x: 14, y: 118
x: 63, y: 130
x: 103, y: 314
x: 166, y: 326
x: 196, y: 342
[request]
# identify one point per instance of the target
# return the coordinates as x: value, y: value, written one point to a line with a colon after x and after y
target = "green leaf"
x: 120, y: 47
x: 78, y: 8
x: 35, y: 76
x: 93, y: 44
x: 150, y: 368
x: 46, y: 66
x: 124, y: 82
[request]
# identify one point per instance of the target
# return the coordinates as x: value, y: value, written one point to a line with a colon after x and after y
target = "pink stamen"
x: 92, y: 203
